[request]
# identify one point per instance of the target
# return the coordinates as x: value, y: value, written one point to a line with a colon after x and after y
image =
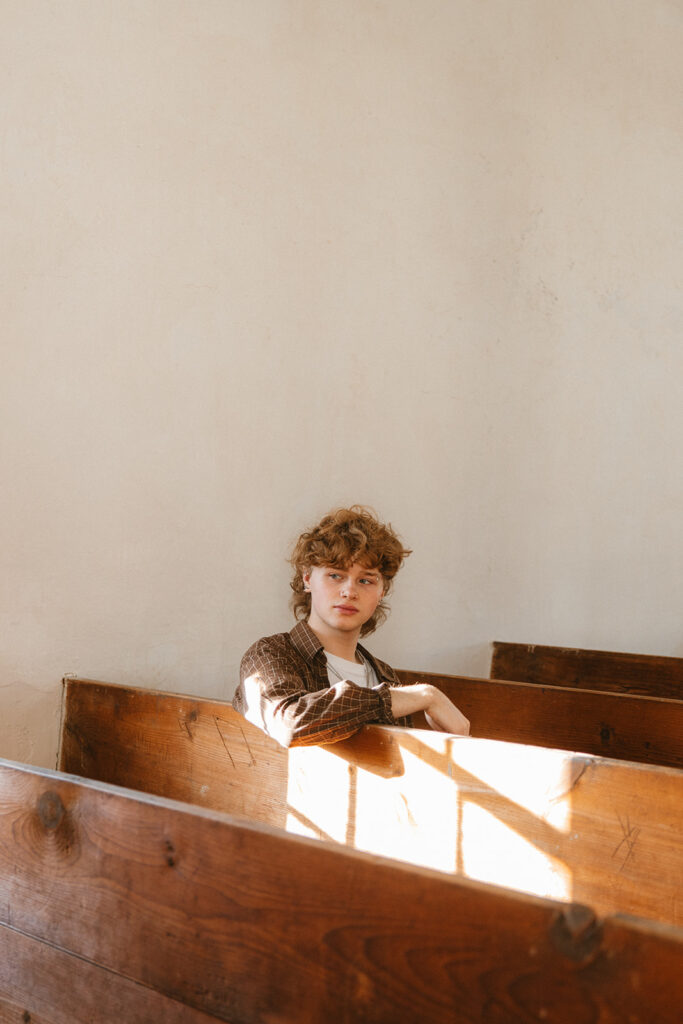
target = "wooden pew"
x: 624, y: 726
x: 644, y: 674
x: 122, y: 906
x: 546, y: 822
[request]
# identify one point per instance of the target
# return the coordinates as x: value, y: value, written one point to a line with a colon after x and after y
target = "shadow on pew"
x: 548, y: 822
x: 615, y: 725
x: 117, y: 905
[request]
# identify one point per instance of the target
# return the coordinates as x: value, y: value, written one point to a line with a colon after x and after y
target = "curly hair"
x: 345, y: 536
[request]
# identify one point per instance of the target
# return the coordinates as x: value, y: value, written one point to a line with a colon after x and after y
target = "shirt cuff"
x: 383, y: 691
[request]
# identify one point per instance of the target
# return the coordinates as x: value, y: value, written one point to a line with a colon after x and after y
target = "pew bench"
x: 644, y: 674
x: 551, y: 823
x: 615, y: 725
x: 124, y: 906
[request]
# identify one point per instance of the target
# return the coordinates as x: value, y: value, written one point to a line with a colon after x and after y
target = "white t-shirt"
x: 362, y: 675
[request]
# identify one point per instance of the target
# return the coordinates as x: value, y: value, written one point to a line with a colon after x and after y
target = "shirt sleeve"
x: 279, y: 693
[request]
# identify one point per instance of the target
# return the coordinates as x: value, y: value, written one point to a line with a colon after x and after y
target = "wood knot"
x: 606, y: 734
x: 575, y: 933
x: 170, y: 854
x: 50, y: 809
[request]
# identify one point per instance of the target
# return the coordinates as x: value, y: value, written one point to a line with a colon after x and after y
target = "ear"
x: 306, y: 577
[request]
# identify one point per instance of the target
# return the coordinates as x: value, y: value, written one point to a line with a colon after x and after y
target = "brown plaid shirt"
x: 285, y: 690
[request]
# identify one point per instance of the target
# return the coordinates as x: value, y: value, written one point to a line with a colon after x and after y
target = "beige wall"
x: 264, y: 258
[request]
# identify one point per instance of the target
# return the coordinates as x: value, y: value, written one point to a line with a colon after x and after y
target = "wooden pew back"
x: 624, y: 726
x: 547, y: 822
x: 124, y: 906
x: 643, y: 674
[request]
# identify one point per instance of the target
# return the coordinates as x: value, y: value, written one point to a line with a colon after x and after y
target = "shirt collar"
x: 305, y: 640
x: 308, y: 644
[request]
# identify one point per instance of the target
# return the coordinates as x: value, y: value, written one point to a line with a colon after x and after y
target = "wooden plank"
x: 542, y: 821
x: 249, y: 924
x: 43, y: 985
x: 644, y: 674
x: 177, y: 746
x: 625, y: 726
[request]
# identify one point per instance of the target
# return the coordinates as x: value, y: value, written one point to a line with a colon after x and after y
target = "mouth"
x: 346, y: 609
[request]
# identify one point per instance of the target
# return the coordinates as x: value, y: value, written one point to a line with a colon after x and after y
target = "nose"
x: 348, y: 588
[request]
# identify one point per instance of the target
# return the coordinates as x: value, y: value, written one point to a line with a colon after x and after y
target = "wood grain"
x: 625, y: 726
x: 249, y: 924
x: 183, y: 747
x: 644, y: 674
x: 542, y: 821
x: 43, y: 985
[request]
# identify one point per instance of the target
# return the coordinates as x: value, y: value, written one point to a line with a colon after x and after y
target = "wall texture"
x: 260, y: 259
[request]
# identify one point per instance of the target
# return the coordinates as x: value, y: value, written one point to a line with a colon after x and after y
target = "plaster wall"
x: 260, y: 259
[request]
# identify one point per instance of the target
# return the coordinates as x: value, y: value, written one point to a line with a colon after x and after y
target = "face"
x: 342, y: 600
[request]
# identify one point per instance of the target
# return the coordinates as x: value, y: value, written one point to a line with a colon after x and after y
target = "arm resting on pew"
x: 287, y: 694
x: 284, y: 689
x: 440, y: 712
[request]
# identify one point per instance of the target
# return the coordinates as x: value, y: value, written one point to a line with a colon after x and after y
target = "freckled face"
x: 342, y: 599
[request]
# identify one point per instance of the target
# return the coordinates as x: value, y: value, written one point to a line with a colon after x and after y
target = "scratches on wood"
x: 227, y: 749
x: 184, y: 722
x: 424, y: 797
x: 262, y: 926
x: 246, y: 743
x: 629, y: 840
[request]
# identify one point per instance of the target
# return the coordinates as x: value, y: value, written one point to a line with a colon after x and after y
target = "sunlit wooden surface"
x: 615, y: 725
x: 546, y: 822
x: 121, y: 906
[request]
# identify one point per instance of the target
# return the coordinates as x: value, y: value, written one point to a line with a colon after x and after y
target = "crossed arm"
x: 440, y: 712
x: 286, y: 696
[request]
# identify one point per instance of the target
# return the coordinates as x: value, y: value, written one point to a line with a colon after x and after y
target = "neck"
x: 341, y: 644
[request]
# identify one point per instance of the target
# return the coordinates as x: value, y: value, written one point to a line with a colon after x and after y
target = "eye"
x: 334, y: 575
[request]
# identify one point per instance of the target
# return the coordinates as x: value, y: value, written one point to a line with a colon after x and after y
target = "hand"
x: 440, y: 712
x: 444, y: 716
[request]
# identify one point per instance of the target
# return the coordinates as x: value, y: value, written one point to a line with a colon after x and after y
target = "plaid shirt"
x: 285, y: 690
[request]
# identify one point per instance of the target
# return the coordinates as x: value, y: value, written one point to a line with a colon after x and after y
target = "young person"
x: 317, y: 684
